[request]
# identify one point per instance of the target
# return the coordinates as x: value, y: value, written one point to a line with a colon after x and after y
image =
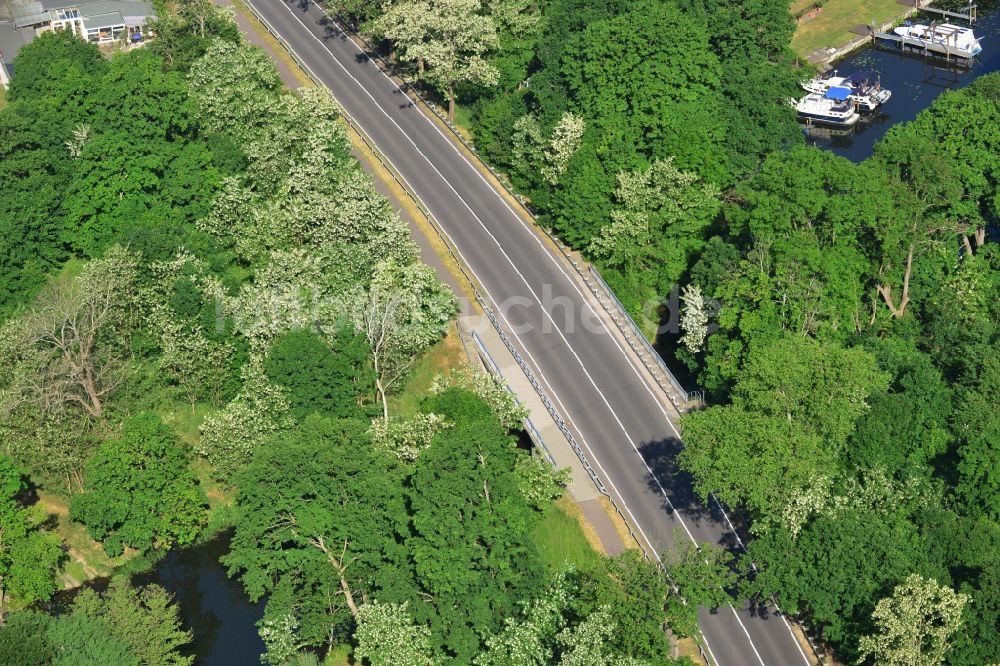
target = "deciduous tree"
x: 703, y: 576
x: 67, y: 350
x: 450, y: 37
x: 319, y: 518
x: 145, y: 619
x: 29, y: 555
x: 387, y: 636
x: 915, y: 624
x: 139, y: 492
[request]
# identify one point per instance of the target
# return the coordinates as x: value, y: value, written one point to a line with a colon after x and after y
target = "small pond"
x: 212, y: 605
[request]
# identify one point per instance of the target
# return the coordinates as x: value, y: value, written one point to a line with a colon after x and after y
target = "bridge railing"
x: 477, y: 291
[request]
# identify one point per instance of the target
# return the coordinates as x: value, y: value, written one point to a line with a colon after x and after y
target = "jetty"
x: 969, y: 13
x: 881, y: 32
x: 925, y: 48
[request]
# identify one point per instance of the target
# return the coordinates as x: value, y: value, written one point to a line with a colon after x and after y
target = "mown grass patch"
x: 798, y: 6
x: 463, y: 121
x: 831, y: 26
x: 446, y: 355
x: 340, y: 655
x: 185, y: 421
x: 561, y: 541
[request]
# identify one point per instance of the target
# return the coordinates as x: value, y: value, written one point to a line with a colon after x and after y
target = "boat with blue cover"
x: 833, y: 107
x: 866, y: 90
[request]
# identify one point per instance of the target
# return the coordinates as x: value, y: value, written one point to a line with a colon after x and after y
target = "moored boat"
x: 867, y: 92
x: 946, y: 36
x: 832, y: 107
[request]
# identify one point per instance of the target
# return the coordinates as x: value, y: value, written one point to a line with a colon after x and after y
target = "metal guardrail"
x: 473, y: 283
x: 484, y: 304
x: 529, y: 425
x: 627, y: 325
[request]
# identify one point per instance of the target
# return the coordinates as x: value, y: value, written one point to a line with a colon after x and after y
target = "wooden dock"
x: 924, y: 47
x: 969, y: 15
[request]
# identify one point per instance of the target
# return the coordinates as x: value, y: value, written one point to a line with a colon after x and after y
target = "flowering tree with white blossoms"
x: 231, y: 85
x: 230, y: 437
x: 694, y: 319
x: 528, y: 640
x: 387, y: 636
x: 405, y: 438
x: 404, y: 310
x: 914, y: 624
x: 584, y: 644
x: 450, y: 37
x: 551, y: 156
x: 566, y: 138
x: 278, y: 635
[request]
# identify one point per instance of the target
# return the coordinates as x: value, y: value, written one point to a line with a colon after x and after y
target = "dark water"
x: 914, y: 83
x: 212, y: 605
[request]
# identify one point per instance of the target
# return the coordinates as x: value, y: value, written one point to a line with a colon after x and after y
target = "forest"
x: 209, y: 316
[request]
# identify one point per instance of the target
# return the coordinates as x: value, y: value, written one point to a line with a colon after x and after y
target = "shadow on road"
x: 701, y: 518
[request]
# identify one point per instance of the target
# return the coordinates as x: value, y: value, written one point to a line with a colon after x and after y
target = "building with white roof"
x: 98, y: 21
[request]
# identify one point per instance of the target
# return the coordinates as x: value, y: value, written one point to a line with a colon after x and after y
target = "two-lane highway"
x: 598, y: 387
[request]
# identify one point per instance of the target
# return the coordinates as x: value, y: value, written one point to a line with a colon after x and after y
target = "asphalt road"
x: 599, y: 389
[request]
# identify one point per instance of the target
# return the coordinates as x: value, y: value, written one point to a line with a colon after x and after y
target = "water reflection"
x: 915, y: 84
x: 212, y: 606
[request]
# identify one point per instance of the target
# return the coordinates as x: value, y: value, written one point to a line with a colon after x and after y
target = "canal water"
x: 914, y: 83
x: 213, y: 606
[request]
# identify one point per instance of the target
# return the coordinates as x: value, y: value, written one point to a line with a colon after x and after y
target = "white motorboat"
x: 945, y: 37
x: 866, y: 92
x: 833, y: 107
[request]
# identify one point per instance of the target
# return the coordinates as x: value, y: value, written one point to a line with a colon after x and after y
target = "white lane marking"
x: 547, y: 314
x: 752, y: 564
x: 607, y: 477
x: 710, y: 653
x: 749, y: 640
x: 601, y: 316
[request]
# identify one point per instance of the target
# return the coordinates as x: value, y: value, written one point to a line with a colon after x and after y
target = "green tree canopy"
x: 320, y: 515
x: 469, y: 543
x: 320, y: 378
x: 139, y: 491
x: 144, y: 619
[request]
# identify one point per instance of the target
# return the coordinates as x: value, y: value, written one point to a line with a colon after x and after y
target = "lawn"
x: 438, y: 360
x: 3, y: 97
x: 463, y: 121
x: 831, y: 27
x: 560, y: 540
x: 800, y: 5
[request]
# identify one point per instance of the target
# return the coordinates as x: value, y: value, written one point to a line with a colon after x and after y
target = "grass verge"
x: 445, y: 355
x: 560, y: 539
x: 412, y: 211
x: 831, y: 26
x: 463, y: 121
x: 340, y: 655
x: 616, y: 519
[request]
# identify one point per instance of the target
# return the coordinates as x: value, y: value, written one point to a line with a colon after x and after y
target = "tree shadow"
x: 668, y: 479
